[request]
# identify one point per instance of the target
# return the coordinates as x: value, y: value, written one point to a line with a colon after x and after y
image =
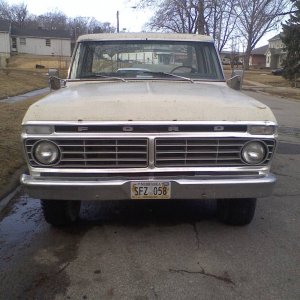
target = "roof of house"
x: 276, y: 37
x: 4, y: 26
x: 260, y: 51
x: 38, y: 32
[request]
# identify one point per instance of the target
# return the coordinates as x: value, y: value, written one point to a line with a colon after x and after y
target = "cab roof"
x: 145, y: 36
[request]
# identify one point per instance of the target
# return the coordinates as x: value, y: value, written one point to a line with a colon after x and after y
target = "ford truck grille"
x: 195, y: 152
x: 98, y: 153
x: 134, y: 152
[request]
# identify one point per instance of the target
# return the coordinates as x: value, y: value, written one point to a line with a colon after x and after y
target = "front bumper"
x: 99, y: 189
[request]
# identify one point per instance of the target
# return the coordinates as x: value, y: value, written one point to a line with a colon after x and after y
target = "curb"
x: 12, y: 188
x: 5, y: 201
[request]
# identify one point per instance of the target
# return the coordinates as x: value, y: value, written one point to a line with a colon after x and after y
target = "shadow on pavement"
x: 145, y: 213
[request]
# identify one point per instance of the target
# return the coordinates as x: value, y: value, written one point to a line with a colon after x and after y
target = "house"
x: 258, y: 56
x: 275, y: 53
x: 231, y: 57
x: 34, y: 41
x: 4, y: 41
x: 39, y: 41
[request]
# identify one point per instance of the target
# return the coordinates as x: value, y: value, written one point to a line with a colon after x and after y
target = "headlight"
x: 46, y: 153
x: 262, y: 129
x: 254, y: 152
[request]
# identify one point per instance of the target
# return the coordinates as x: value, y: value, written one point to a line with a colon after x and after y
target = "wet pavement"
x: 160, y: 249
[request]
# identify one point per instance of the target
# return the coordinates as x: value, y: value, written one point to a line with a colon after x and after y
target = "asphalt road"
x: 162, y: 250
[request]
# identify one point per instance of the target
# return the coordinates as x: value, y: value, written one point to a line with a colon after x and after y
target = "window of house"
x: 14, y: 43
x: 22, y: 41
x: 48, y: 42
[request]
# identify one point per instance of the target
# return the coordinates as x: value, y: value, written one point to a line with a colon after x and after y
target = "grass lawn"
x: 11, y: 156
x: 262, y: 76
x: 21, y: 75
x: 266, y: 77
x: 15, y: 82
x: 282, y: 86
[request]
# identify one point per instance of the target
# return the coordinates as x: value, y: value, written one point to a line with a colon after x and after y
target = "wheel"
x: 179, y: 67
x: 236, y: 211
x: 60, y: 212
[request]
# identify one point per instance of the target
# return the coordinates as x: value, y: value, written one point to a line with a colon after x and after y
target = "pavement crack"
x: 225, y: 278
x: 63, y: 267
x: 196, y: 235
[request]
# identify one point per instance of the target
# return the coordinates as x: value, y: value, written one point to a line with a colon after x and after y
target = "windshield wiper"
x: 101, y: 76
x: 168, y: 74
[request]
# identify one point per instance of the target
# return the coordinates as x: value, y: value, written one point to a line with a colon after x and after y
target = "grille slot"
x: 98, y: 153
x: 200, y: 152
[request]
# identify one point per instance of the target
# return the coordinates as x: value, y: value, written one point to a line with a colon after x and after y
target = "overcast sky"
x: 103, y: 10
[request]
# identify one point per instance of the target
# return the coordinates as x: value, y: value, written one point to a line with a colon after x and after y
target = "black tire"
x: 237, y: 212
x: 60, y: 212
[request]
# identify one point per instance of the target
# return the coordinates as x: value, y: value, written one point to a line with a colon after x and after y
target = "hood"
x: 148, y: 101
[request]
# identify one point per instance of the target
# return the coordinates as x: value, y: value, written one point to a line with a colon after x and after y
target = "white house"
x: 39, y: 41
x: 275, y: 53
x: 4, y: 42
x: 35, y: 41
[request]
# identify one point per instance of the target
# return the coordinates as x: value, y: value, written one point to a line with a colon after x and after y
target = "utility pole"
x: 118, y: 22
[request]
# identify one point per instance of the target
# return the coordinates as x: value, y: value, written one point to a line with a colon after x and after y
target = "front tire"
x: 60, y: 212
x: 238, y: 212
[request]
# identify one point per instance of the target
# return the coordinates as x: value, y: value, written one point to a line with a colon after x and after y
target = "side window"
x: 22, y: 41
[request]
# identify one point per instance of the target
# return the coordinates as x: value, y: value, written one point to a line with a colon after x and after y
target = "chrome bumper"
x: 97, y: 189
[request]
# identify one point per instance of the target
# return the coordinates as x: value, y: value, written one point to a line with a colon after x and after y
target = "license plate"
x: 151, y: 190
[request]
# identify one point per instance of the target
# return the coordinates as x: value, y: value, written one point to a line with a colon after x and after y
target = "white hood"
x: 148, y: 101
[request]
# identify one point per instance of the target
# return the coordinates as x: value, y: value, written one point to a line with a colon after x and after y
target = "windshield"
x: 146, y: 59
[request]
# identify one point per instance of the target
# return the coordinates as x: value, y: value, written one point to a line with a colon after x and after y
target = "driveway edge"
x: 12, y: 188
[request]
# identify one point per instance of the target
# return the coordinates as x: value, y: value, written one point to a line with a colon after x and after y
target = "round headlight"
x: 46, y: 153
x: 254, y: 152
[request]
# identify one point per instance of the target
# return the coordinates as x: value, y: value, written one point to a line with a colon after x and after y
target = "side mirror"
x: 53, y: 72
x: 236, y: 81
x: 56, y: 83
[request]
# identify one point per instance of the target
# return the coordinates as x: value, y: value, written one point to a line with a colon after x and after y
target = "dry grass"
x: 27, y: 61
x: 21, y: 75
x: 282, y: 87
x: 16, y: 82
x: 266, y: 77
x: 11, y: 156
x: 263, y: 77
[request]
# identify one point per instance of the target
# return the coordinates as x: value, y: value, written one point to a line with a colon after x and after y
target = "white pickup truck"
x: 148, y: 116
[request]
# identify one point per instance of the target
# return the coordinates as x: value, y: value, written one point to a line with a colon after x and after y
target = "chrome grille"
x: 201, y: 152
x: 98, y: 153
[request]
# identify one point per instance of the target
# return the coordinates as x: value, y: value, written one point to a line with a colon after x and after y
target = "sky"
x: 104, y: 11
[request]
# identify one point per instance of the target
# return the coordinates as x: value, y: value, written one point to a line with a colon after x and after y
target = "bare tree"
x: 179, y: 16
x: 20, y: 13
x: 17, y: 13
x: 256, y: 18
x: 94, y: 26
x: 54, y: 20
x: 222, y: 19
x: 212, y: 17
x: 5, y: 11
